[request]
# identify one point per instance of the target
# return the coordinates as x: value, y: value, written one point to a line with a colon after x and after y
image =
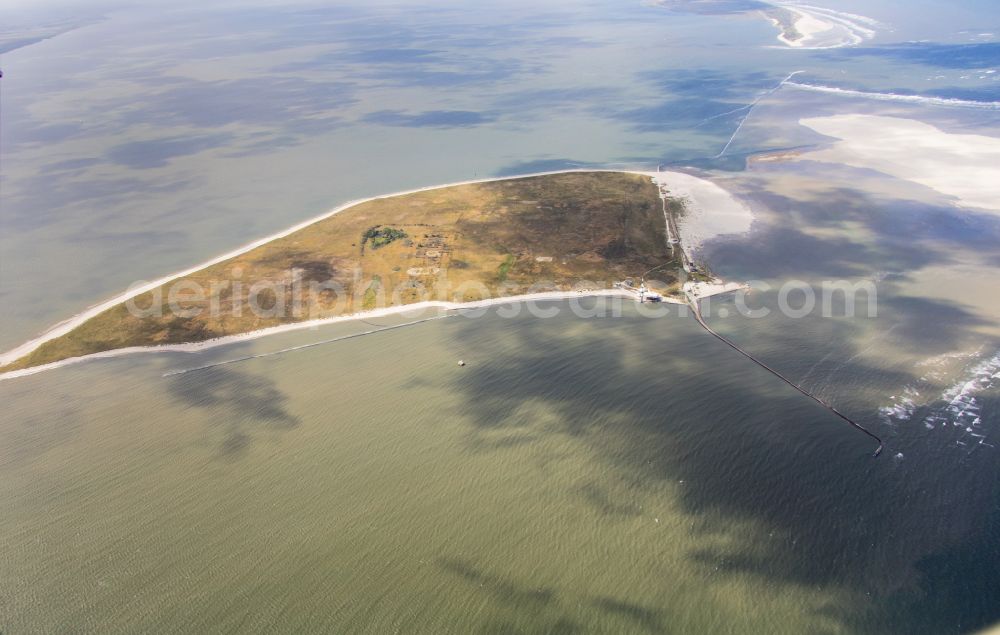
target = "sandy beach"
x: 821, y: 28
x: 417, y: 309
x: 699, y: 290
x: 71, y: 323
x: 710, y: 210
x: 807, y: 25
x: 964, y: 167
x: 702, y: 194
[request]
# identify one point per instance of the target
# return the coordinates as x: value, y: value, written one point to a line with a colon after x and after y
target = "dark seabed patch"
x: 156, y: 153
x: 429, y: 119
x: 958, y: 56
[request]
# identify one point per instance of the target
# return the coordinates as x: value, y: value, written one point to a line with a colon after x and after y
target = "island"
x: 581, y: 231
x: 458, y: 245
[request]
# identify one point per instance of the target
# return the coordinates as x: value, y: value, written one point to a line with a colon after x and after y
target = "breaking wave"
x: 911, y: 99
x: 956, y: 407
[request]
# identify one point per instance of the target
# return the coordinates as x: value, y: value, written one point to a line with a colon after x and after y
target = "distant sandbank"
x: 965, y: 167
x: 804, y: 26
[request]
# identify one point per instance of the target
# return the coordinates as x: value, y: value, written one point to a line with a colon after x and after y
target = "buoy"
x: 461, y: 362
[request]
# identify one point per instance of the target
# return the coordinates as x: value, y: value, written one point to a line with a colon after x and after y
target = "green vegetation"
x: 371, y: 293
x: 676, y: 207
x: 504, y: 267
x: 478, y: 240
x: 701, y: 275
x: 381, y: 236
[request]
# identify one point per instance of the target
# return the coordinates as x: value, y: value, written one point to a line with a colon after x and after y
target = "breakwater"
x: 697, y: 315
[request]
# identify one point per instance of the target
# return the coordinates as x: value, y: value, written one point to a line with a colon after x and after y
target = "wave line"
x: 912, y: 99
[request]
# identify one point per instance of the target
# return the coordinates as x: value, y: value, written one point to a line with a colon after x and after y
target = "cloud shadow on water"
x: 549, y: 610
x: 242, y: 405
x: 429, y: 118
x: 750, y: 451
x: 157, y: 153
x: 957, y: 56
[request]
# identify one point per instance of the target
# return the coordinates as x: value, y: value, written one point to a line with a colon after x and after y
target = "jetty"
x: 693, y: 303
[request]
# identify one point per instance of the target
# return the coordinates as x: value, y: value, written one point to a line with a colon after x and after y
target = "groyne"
x: 693, y: 303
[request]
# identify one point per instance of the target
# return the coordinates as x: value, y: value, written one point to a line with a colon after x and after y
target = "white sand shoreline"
x: 416, y: 308
x: 819, y: 27
x: 807, y: 26
x: 694, y: 188
x: 699, y: 290
x: 67, y: 325
x: 711, y: 211
x: 695, y: 291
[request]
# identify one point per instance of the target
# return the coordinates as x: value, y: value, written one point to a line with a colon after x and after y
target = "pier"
x: 697, y: 315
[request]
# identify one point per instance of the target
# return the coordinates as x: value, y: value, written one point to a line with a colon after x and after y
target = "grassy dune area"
x: 459, y: 243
